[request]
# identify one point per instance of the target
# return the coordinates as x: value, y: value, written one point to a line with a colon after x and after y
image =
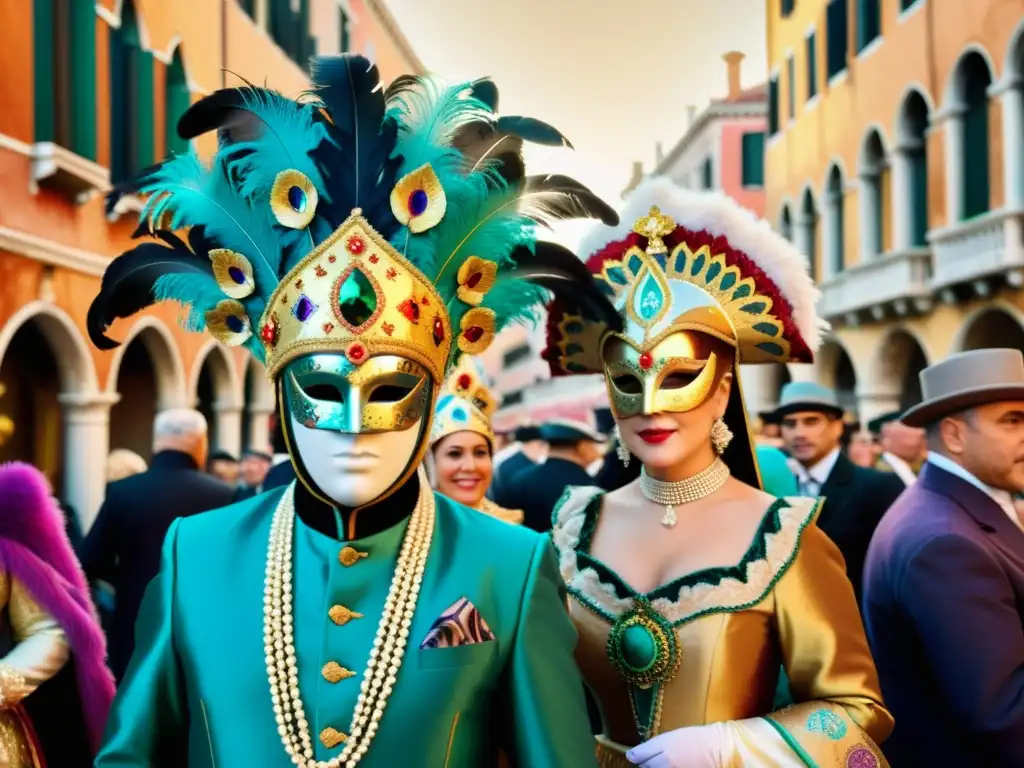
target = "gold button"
x: 333, y: 672
x: 349, y: 556
x: 341, y: 615
x: 331, y: 737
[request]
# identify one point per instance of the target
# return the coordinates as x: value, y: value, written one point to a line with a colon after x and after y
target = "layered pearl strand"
x: 672, y: 495
x: 388, y: 646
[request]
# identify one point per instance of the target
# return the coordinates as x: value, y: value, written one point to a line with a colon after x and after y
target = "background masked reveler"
x: 358, y: 242
x: 462, y: 441
x: 691, y: 587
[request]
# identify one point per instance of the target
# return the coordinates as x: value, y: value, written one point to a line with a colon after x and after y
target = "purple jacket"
x: 943, y: 608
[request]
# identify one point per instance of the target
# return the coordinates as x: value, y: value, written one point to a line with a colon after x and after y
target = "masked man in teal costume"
x: 357, y: 242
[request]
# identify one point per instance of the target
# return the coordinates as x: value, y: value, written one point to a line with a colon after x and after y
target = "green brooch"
x: 643, y: 646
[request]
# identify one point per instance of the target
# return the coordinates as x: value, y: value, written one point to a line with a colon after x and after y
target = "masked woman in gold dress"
x: 691, y: 588
x: 462, y: 442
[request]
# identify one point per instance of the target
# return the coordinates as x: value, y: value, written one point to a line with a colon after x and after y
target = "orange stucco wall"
x: 919, y: 48
x: 732, y: 162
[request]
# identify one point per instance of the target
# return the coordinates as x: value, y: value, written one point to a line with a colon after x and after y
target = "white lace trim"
x: 729, y: 594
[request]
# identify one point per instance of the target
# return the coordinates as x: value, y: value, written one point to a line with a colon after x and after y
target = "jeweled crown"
x: 466, y: 404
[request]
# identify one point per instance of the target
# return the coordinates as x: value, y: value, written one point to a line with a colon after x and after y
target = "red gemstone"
x: 356, y: 245
x: 269, y: 333
x: 328, y: 327
x: 373, y: 258
x: 411, y: 310
x: 475, y: 278
x: 438, y: 331
x: 464, y: 381
x: 646, y: 360
x: 473, y: 334
x: 356, y: 352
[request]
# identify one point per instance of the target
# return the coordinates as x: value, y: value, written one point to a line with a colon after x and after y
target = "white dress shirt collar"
x: 999, y: 496
x: 900, y: 468
x: 817, y: 474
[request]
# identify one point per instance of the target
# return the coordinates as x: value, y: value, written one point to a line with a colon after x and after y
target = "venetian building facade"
x: 91, y: 92
x: 895, y: 160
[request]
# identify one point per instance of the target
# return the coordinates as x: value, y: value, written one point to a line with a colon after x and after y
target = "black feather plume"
x: 558, y: 270
x: 486, y: 91
x: 533, y: 130
x: 557, y: 197
x: 129, y: 279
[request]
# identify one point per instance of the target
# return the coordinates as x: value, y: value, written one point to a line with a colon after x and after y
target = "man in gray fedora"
x: 944, y: 579
x: 811, y: 423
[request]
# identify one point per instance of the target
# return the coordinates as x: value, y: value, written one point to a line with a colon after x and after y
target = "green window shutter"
x: 43, y: 60
x: 120, y: 128
x: 143, y: 108
x: 812, y: 66
x: 975, y: 158
x: 869, y: 22
x: 83, y: 78
x: 707, y: 174
x: 906, y: 4
x: 176, y: 101
x: 836, y: 36
x: 773, y: 106
x: 249, y: 6
x: 791, y: 88
x: 919, y: 190
x: 752, y: 150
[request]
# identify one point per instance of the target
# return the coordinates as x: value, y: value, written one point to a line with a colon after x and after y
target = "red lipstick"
x: 655, y: 436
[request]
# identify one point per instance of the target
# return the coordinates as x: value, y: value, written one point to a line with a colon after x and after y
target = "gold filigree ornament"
x: 233, y: 273
x: 654, y: 226
x: 293, y: 199
x: 476, y: 331
x: 465, y: 405
x: 476, y: 277
x: 418, y: 199
x: 228, y: 322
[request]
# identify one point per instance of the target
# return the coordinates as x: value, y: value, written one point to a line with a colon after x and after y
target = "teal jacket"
x: 197, y: 682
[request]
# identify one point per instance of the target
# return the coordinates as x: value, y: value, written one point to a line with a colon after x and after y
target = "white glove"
x: 698, y: 746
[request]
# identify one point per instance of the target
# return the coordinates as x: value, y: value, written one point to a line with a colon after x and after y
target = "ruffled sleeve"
x: 41, y: 650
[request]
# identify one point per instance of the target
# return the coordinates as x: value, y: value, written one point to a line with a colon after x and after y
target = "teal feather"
x: 196, y: 292
x: 515, y: 302
x: 183, y: 193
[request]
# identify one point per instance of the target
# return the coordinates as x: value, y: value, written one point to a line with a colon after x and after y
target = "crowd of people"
x: 395, y: 584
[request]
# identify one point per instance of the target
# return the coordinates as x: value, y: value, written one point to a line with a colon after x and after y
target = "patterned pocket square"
x: 461, y: 624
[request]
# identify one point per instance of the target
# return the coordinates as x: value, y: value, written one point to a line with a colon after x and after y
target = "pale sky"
x: 614, y: 77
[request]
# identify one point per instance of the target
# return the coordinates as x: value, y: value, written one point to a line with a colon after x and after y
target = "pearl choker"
x: 699, y: 486
x: 388, y: 646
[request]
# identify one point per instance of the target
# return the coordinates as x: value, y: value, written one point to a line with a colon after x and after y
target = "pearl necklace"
x: 699, y: 486
x: 388, y: 645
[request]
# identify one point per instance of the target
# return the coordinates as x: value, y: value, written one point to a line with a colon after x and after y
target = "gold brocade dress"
x: 40, y: 650
x: 708, y: 647
x: 488, y: 507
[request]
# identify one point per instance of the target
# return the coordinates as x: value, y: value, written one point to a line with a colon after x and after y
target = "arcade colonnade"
x: 67, y: 420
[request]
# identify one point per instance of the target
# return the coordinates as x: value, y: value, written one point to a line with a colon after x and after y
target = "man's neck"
x: 566, y: 454
x: 345, y: 523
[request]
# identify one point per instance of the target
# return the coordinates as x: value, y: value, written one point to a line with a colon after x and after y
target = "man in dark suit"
x: 572, y: 447
x: 123, y: 547
x: 254, y: 468
x: 527, y: 450
x: 944, y: 581
x: 812, y: 427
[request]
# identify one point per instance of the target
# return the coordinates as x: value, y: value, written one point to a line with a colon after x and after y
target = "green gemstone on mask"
x: 639, y: 648
x: 651, y: 298
x: 357, y: 299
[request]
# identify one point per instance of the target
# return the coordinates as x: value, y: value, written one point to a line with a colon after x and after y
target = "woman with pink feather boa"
x: 55, y: 688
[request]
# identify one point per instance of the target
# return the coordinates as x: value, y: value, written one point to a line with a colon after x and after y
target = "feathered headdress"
x: 683, y: 259
x: 465, y: 404
x: 353, y: 221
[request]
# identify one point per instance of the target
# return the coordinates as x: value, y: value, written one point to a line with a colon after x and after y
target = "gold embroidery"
x: 488, y: 507
x: 341, y: 615
x: 17, y: 747
x: 349, y: 556
x: 451, y: 739
x: 727, y: 594
x: 12, y: 685
x: 331, y: 737
x: 333, y: 672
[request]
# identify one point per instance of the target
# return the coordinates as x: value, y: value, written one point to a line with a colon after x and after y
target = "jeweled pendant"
x: 669, y: 518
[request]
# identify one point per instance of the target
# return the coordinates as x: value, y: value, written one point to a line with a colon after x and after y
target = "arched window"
x: 131, y: 99
x: 872, y: 195
x: 910, y: 163
x: 807, y: 231
x: 836, y: 232
x: 974, y: 79
x: 64, y: 63
x: 786, y: 223
x: 176, y: 101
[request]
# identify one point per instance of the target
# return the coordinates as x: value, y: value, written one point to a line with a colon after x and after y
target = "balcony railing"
x: 899, y: 279
x: 982, y: 247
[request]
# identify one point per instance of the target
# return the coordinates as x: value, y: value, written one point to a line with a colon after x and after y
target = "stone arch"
x: 836, y: 370
x: 217, y: 393
x: 807, y: 229
x: 954, y: 91
x: 909, y: 200
x: 167, y: 364
x: 259, y: 406
x: 786, y: 221
x: 966, y: 102
x: 896, y: 365
x: 834, y: 218
x: 998, y: 325
x: 1013, y: 120
x: 1013, y: 64
x: 76, y: 369
x: 872, y: 165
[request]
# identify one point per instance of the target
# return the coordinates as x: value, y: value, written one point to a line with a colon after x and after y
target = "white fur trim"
x: 724, y: 217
